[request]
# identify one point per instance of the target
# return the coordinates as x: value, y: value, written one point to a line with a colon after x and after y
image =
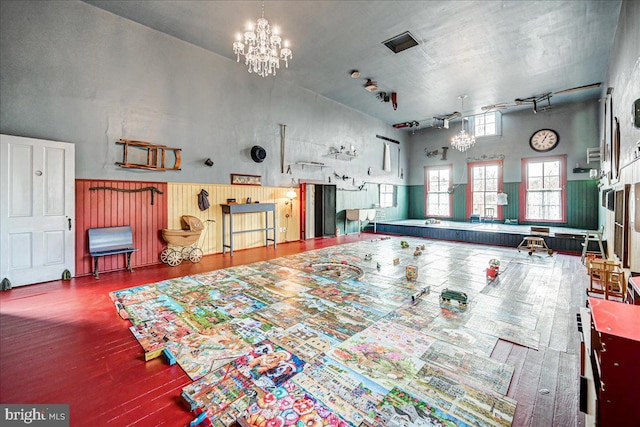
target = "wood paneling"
x: 108, y: 208
x: 183, y: 200
x: 582, y: 204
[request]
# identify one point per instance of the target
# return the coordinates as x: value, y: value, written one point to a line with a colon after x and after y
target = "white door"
x: 37, y: 207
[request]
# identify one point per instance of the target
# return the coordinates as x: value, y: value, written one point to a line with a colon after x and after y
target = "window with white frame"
x: 387, y: 195
x: 544, y: 180
x: 486, y: 124
x: 438, y: 199
x: 485, y: 182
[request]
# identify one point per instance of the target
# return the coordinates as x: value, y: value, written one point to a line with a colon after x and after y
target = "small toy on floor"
x: 417, y: 251
x: 367, y: 257
x: 415, y: 297
x: 449, y: 294
x: 494, y: 269
x: 404, y: 244
x: 411, y: 272
x: 396, y: 261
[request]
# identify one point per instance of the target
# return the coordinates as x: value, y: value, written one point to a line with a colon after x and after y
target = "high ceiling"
x: 493, y: 51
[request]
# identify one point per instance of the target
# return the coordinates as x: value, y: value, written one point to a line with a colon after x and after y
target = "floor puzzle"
x: 282, y: 342
x: 305, y: 341
x: 463, y: 401
x: 399, y: 408
x: 342, y: 390
x: 268, y: 365
x: 466, y: 366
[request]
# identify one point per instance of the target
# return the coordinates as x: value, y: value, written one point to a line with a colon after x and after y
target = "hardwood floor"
x: 62, y: 342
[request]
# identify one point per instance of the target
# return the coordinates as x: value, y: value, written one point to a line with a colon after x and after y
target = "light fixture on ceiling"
x: 262, y: 43
x: 463, y: 141
x: 355, y: 74
x: 371, y: 86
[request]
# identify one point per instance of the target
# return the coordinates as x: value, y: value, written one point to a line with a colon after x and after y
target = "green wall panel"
x: 416, y: 201
x: 582, y: 204
x: 512, y: 189
x: 459, y: 203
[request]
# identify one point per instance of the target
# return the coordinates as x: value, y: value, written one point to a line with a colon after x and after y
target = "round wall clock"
x: 544, y: 140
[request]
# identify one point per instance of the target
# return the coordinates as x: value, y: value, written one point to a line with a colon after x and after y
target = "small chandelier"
x: 462, y: 141
x: 262, y: 56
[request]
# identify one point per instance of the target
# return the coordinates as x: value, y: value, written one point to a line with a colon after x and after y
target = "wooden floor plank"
x: 565, y: 408
x: 526, y: 389
x: 547, y: 388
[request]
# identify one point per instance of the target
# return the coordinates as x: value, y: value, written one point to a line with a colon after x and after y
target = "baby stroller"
x: 183, y: 244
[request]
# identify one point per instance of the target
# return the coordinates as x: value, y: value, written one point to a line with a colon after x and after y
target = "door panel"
x: 54, y: 200
x: 37, y: 180
x: 21, y: 187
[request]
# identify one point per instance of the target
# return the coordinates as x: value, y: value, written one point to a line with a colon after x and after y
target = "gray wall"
x: 624, y: 78
x: 72, y: 72
x: 577, y: 125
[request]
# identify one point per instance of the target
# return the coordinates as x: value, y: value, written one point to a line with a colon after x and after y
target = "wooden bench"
x: 110, y: 241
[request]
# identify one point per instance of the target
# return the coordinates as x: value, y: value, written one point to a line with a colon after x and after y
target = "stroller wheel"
x: 164, y: 255
x: 174, y: 258
x: 195, y: 255
x: 185, y: 252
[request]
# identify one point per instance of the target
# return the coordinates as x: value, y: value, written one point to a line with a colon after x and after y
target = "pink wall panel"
x: 108, y: 208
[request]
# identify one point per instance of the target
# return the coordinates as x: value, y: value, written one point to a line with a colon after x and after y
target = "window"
x: 437, y: 182
x: 485, y: 182
x: 544, y: 181
x: 487, y: 124
x: 387, y: 195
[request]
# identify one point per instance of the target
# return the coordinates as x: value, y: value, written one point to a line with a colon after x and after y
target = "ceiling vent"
x: 401, y: 42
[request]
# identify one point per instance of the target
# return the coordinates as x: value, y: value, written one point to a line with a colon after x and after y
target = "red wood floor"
x: 63, y: 342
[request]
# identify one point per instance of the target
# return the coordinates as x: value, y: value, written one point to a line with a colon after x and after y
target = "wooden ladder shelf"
x: 155, y: 156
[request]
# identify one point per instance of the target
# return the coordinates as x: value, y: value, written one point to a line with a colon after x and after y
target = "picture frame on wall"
x: 240, y: 179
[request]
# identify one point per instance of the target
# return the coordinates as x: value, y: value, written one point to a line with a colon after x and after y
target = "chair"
x: 616, y: 286
x: 597, y: 281
x: 489, y: 214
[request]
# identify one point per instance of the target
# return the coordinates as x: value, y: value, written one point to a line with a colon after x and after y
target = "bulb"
x: 238, y: 36
x: 250, y: 26
x: 275, y: 30
x: 286, y: 43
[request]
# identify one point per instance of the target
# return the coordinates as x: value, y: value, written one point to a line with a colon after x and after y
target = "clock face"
x: 544, y: 140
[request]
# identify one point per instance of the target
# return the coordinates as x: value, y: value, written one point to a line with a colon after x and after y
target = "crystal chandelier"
x: 262, y: 56
x: 463, y: 141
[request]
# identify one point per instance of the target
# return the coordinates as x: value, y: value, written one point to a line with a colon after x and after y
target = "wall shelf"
x: 312, y: 164
x: 342, y: 156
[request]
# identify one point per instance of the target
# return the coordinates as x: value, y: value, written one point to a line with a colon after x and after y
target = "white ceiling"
x: 493, y: 51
